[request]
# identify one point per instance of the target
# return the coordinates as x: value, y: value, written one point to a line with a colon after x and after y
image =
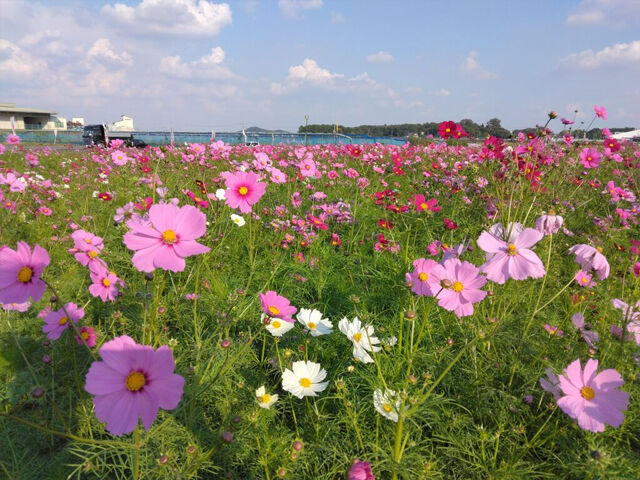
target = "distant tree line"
x: 493, y: 128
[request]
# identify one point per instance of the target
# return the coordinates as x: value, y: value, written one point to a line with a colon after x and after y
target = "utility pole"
x: 306, y: 123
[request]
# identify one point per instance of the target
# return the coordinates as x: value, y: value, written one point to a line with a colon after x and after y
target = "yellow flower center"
x: 357, y: 336
x: 243, y: 190
x: 25, y: 274
x: 106, y: 282
x: 92, y: 254
x: 423, y: 277
x: 448, y: 130
x: 135, y: 381
x: 588, y: 159
x: 274, y: 310
x: 424, y: 206
x: 169, y: 237
x: 511, y: 249
x: 276, y: 324
x: 305, y: 382
x: 87, y: 240
x: 583, y: 280
x: 265, y: 398
x: 386, y: 407
x: 311, y: 325
x: 63, y: 321
x: 84, y: 335
x: 599, y: 249
x: 587, y: 393
x: 457, y: 287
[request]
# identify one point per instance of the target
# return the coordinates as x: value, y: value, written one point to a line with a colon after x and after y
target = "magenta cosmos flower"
x: 422, y: 282
x: 592, y: 399
x: 361, y: 471
x: 511, y: 260
x: 277, y: 306
x: 600, y: 112
x: 132, y: 381
x: 20, y: 272
x: 243, y: 189
x: 57, y: 322
x: 169, y: 239
x: 87, y: 336
x: 590, y: 258
x: 590, y: 158
x: 461, y: 283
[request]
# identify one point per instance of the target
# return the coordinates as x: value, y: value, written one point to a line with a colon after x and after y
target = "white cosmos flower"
x: 237, y: 219
x: 221, y: 194
x: 265, y: 400
x: 278, y: 327
x: 313, y: 321
x: 387, y: 404
x: 361, y: 337
x: 305, y: 379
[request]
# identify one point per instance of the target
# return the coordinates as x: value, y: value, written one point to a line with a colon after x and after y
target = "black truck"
x: 98, y: 135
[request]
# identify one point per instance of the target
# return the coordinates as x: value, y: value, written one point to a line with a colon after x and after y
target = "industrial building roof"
x: 11, y: 108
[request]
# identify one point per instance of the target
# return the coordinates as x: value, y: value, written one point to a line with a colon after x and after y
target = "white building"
x: 125, y: 124
x: 29, y: 118
x: 627, y: 135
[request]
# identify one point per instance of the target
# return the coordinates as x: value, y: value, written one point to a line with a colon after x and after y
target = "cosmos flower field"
x: 452, y: 309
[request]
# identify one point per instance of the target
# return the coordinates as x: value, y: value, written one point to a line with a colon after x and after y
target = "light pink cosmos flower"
x: 105, y: 283
x: 551, y: 384
x: 277, y: 176
x: 461, y: 284
x: 87, y: 336
x: 168, y: 240
x: 592, y: 399
x: 590, y: 158
x: 600, y: 112
x: 16, y: 184
x: 588, y: 335
x: 584, y: 279
x: 277, y: 306
x: 243, y: 189
x: 422, y: 283
x: 57, y: 322
x: 511, y: 260
x: 13, y: 139
x: 549, y: 223
x: 20, y: 272
x: 16, y: 307
x: 590, y: 258
x: 87, y: 247
x: 630, y: 314
x: 132, y: 381
x: 308, y: 167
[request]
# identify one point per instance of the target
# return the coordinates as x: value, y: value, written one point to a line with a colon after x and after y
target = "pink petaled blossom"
x: 591, y: 398
x: 308, y: 167
x: 57, y: 322
x: 630, y: 314
x: 132, y: 381
x: 591, y: 337
x: 360, y: 471
x: 277, y: 176
x: 460, y: 284
x: 553, y: 330
x: 511, y: 260
x: 590, y: 158
x: 568, y: 140
x: 169, y: 239
x: 317, y: 222
x: 262, y: 161
x: 16, y: 184
x: 20, y: 272
x: 87, y: 336
x: 590, y: 258
x: 243, y: 189
x: 549, y: 223
x: 600, y: 112
x: 551, y: 384
x: 16, y: 307
x: 422, y: 283
x: 119, y: 158
x: 433, y: 248
x: 296, y: 200
x: 105, y: 283
x: 277, y: 306
x: 584, y: 279
x: 13, y: 139
x: 423, y: 205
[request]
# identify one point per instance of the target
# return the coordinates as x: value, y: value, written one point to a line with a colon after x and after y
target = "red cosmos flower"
x: 105, y: 196
x: 146, y: 169
x: 612, y: 144
x: 382, y: 223
x: 354, y: 150
x: 197, y: 200
x: 531, y: 135
x: 398, y: 208
x: 335, y: 240
x: 447, y: 129
x: 449, y: 224
x: 317, y: 222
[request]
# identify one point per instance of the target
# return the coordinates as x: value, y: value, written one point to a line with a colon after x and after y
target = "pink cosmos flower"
x: 511, y: 260
x: 592, y: 399
x: 461, y: 283
x: 630, y: 314
x: 360, y: 471
x: 20, y: 272
x: 423, y: 205
x: 13, y: 139
x: 584, y: 279
x: 132, y: 381
x: 590, y: 258
x: 308, y: 167
x: 276, y: 306
x: 422, y: 283
x: 169, y: 239
x: 277, y: 176
x: 16, y: 307
x: 600, y: 112
x: 105, y: 283
x: 590, y: 336
x: 57, y: 322
x: 551, y: 384
x: 87, y: 336
x: 243, y: 189
x: 16, y: 184
x: 555, y: 331
x: 549, y: 223
x: 590, y: 158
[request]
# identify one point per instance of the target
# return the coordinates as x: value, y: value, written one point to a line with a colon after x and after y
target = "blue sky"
x: 208, y: 65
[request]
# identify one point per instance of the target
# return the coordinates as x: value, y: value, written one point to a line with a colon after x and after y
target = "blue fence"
x: 233, y: 138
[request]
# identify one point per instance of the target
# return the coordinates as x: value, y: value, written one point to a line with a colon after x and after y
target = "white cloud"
x: 443, y: 92
x: 292, y: 8
x: 337, y: 18
x: 102, y: 50
x: 309, y: 71
x: 615, y: 55
x: 17, y: 63
x: 36, y: 37
x: 174, y: 17
x: 380, y: 57
x: 605, y: 12
x: 209, y: 66
x: 472, y: 67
